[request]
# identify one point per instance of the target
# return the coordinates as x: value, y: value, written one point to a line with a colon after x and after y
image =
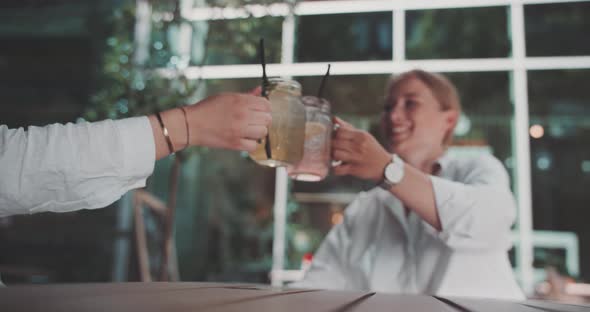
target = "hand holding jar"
x: 287, y: 130
x: 360, y: 153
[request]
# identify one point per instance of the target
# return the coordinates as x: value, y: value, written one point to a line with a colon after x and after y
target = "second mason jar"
x: 315, y: 164
x: 287, y: 130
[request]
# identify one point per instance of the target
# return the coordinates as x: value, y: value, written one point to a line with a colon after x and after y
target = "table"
x: 221, y: 297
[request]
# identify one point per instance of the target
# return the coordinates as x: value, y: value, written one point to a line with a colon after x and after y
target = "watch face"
x: 394, y: 172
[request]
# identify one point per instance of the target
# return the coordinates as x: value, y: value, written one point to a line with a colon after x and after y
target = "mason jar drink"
x: 287, y: 130
x: 315, y: 164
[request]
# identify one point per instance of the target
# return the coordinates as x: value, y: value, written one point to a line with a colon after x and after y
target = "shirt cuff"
x: 443, y: 195
x: 139, y: 148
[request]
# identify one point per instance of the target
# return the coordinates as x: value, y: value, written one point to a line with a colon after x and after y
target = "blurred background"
x: 522, y: 68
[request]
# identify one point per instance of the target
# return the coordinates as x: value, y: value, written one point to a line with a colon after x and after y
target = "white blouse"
x: 74, y: 166
x: 380, y: 248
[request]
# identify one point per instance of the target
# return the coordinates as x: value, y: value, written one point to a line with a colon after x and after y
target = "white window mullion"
x: 384, y: 67
x: 281, y: 177
x: 288, y: 40
x: 522, y: 147
x: 185, y: 34
x: 557, y: 62
x: 399, y: 35
x: 347, y: 6
x: 142, y: 32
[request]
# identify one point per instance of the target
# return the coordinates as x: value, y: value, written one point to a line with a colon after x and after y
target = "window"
x: 560, y: 157
x: 554, y: 29
x: 457, y: 33
x: 236, y: 41
x: 344, y: 37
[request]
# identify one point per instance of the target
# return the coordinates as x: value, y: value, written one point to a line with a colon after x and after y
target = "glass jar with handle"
x: 287, y: 130
x: 315, y: 164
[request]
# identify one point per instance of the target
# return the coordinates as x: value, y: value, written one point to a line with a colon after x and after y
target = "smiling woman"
x: 436, y: 221
x: 420, y: 97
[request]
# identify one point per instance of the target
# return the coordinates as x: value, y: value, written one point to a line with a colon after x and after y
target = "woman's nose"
x: 397, y: 113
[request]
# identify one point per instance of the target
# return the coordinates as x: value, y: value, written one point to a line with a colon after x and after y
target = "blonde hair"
x: 441, y: 87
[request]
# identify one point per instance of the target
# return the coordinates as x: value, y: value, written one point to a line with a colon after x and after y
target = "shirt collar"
x: 442, y: 163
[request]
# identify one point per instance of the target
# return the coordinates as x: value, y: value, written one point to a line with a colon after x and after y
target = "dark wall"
x: 49, y: 54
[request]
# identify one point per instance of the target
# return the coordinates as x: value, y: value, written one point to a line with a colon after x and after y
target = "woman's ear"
x: 451, y: 118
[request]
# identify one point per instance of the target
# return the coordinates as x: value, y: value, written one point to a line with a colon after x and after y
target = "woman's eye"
x: 411, y: 103
x: 387, y: 107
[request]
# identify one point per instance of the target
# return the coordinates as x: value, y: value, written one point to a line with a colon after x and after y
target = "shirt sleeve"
x: 74, y: 166
x: 478, y: 211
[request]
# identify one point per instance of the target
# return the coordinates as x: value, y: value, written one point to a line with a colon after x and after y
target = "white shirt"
x: 379, y: 248
x: 74, y: 166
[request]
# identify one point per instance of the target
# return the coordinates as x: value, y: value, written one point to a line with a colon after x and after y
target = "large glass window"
x: 344, y: 37
x: 560, y: 161
x: 236, y: 41
x: 488, y: 114
x: 554, y: 29
x: 358, y: 95
x: 457, y: 33
x: 215, y: 42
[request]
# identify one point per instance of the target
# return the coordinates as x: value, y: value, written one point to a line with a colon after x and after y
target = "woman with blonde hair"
x: 438, y: 223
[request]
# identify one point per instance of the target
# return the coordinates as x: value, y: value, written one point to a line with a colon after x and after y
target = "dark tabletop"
x: 175, y: 297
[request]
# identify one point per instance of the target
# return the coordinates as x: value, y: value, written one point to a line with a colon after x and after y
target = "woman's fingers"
x: 346, y: 145
x: 255, y: 132
x: 247, y: 145
x: 253, y: 102
x: 342, y: 124
x: 258, y: 118
x: 342, y: 155
x: 343, y: 169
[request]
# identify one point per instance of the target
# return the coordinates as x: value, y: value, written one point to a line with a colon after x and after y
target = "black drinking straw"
x: 264, y: 93
x: 323, y: 83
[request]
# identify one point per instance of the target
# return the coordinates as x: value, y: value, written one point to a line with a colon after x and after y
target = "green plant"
x: 125, y: 89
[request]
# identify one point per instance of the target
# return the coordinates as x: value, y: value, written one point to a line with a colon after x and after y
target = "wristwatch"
x: 393, y: 173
